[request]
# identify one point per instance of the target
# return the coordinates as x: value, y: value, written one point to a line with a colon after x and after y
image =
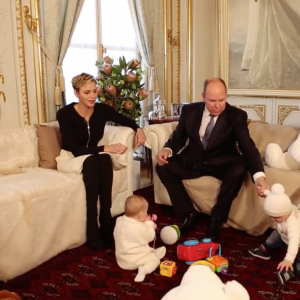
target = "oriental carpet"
x: 85, y: 274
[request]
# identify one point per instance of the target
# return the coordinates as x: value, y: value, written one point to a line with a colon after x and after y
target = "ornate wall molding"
x: 191, y: 49
x: 41, y: 64
x: 172, y: 72
x: 178, y: 51
x: 284, y: 111
x: 23, y: 79
x: 260, y: 110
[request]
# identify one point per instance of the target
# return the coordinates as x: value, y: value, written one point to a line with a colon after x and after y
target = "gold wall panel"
x: 284, y: 111
x: 20, y: 39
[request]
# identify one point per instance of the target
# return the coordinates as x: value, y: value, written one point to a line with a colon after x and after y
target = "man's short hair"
x: 214, y: 79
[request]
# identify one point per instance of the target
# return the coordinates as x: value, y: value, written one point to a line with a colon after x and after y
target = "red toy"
x: 193, y: 250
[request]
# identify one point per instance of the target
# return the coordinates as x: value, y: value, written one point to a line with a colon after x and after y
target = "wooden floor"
x: 145, y: 174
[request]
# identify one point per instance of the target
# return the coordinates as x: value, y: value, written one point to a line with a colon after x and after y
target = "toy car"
x: 168, y: 268
x: 217, y: 263
x: 192, y: 250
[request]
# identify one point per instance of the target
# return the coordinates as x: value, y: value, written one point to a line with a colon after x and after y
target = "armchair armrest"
x: 157, y: 135
x: 119, y: 134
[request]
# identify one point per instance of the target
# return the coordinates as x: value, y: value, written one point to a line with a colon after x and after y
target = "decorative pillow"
x: 49, y: 145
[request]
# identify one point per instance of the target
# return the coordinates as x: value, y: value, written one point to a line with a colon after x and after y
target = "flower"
x: 131, y: 77
x: 107, y: 59
x: 107, y: 69
x: 133, y: 64
x: 128, y: 104
x: 143, y: 94
x: 120, y: 85
x: 111, y: 89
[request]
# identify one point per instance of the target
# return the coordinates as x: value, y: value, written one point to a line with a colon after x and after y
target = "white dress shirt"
x: 204, y: 123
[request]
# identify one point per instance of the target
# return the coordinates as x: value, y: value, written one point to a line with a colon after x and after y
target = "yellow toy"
x: 168, y: 268
x: 217, y: 263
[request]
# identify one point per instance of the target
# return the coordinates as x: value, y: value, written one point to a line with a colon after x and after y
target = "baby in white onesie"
x: 133, y: 233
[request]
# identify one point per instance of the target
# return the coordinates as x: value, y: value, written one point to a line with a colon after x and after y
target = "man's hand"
x: 115, y: 148
x: 261, y: 186
x: 162, y: 156
x: 285, y: 264
x: 139, y: 138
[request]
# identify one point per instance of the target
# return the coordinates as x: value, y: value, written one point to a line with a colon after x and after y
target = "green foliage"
x: 120, y: 85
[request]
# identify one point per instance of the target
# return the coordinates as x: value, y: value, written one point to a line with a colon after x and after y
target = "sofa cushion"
x: 49, y: 145
x: 264, y: 133
x: 17, y: 150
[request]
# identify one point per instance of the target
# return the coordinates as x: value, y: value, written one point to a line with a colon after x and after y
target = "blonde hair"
x: 134, y: 205
x: 79, y: 80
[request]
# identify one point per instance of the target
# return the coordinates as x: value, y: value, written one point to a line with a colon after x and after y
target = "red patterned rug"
x: 85, y: 274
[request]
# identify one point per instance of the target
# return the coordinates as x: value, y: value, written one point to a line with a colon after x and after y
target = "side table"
x: 148, y: 152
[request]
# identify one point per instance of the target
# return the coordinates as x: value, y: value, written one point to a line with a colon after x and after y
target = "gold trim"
x: 2, y: 78
x: 42, y: 69
x: 166, y: 49
x: 22, y: 62
x: 31, y: 23
x: 260, y: 110
x: 178, y: 52
x: 284, y: 111
x: 172, y: 66
x: 190, y: 49
x: 3, y: 96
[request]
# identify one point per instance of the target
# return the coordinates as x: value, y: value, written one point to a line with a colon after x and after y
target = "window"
x: 115, y: 32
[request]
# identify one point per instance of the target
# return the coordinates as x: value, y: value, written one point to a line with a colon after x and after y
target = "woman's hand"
x: 139, y: 138
x: 115, y: 148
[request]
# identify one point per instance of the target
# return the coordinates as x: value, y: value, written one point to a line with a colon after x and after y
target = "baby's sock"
x: 160, y: 252
x: 140, y: 275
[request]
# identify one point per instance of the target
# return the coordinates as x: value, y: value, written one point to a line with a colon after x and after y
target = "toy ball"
x: 170, y: 234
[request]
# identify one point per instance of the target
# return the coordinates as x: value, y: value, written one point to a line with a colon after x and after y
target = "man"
x: 213, y: 127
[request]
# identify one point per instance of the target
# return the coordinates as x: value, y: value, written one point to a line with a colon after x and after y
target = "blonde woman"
x: 82, y: 127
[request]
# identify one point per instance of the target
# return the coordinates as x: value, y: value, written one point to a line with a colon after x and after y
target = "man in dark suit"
x: 213, y: 127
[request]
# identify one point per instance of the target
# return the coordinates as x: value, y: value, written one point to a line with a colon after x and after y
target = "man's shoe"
x: 213, y: 229
x: 260, y: 251
x: 285, y: 276
x: 188, y: 224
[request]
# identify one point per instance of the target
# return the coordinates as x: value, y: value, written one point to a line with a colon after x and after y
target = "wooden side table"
x: 148, y: 152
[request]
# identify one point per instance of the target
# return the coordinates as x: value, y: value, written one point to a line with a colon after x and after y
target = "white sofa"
x: 247, y: 208
x: 42, y: 211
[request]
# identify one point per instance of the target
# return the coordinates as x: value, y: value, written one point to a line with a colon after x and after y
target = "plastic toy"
x: 168, y: 268
x: 170, y: 234
x: 192, y: 250
x: 217, y: 263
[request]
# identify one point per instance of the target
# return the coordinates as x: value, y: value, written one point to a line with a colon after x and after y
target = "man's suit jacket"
x: 230, y: 127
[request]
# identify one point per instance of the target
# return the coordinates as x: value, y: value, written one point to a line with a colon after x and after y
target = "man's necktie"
x: 208, y: 131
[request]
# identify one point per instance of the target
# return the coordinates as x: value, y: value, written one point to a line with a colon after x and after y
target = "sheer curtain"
x: 116, y: 34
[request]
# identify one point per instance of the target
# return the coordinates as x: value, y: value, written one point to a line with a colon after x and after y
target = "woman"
x: 82, y: 127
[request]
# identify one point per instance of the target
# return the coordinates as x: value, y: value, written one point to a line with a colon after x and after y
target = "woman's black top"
x: 81, y: 137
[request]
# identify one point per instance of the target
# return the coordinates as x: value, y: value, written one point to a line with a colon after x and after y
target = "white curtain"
x: 276, y: 56
x: 60, y: 17
x: 147, y: 19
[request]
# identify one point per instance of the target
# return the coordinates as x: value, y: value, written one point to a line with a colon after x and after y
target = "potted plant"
x: 120, y: 85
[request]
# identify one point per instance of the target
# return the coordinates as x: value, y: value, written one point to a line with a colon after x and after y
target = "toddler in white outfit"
x: 287, y: 217
x: 133, y: 233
